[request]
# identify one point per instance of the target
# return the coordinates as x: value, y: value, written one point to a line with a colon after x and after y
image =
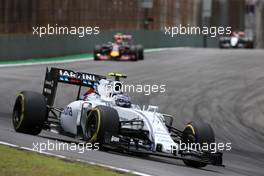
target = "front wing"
x: 123, y: 143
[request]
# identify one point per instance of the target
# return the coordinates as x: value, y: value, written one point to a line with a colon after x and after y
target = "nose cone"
x: 234, y: 41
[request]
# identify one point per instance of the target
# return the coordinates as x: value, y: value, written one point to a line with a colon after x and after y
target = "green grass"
x: 14, y: 162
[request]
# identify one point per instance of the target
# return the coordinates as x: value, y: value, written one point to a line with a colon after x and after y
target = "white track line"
x: 78, y: 160
x: 8, y: 144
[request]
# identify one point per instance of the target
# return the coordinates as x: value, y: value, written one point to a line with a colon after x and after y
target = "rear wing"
x: 57, y: 75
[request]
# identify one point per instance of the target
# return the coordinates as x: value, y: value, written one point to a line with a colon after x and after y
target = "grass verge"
x: 16, y: 162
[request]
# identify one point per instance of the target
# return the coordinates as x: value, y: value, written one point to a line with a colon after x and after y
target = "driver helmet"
x: 118, y: 38
x: 123, y: 100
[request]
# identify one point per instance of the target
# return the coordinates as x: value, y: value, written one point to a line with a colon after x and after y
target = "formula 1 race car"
x: 106, y: 116
x: 121, y: 49
x: 236, y: 40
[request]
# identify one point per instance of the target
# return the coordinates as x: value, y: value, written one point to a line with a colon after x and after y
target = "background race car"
x: 121, y: 49
x: 236, y: 40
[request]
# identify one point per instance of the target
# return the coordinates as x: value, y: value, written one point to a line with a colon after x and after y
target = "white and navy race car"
x: 236, y: 40
x: 106, y: 116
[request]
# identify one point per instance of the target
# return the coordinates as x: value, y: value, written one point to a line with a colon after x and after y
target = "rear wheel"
x: 140, y: 51
x: 29, y: 113
x: 134, y: 51
x: 197, y: 133
x: 102, y: 121
x: 250, y: 45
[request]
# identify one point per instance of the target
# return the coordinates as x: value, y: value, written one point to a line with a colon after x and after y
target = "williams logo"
x: 77, y: 75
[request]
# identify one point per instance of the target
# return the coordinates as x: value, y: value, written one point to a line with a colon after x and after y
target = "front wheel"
x: 199, y: 133
x: 101, y: 122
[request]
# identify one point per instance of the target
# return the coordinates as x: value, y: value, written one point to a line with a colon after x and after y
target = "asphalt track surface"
x: 222, y: 87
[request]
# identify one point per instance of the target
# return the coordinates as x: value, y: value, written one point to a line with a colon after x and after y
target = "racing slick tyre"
x: 140, y: 51
x: 97, y: 50
x: 102, y: 122
x: 134, y: 51
x: 250, y: 45
x: 29, y: 113
x: 199, y: 133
